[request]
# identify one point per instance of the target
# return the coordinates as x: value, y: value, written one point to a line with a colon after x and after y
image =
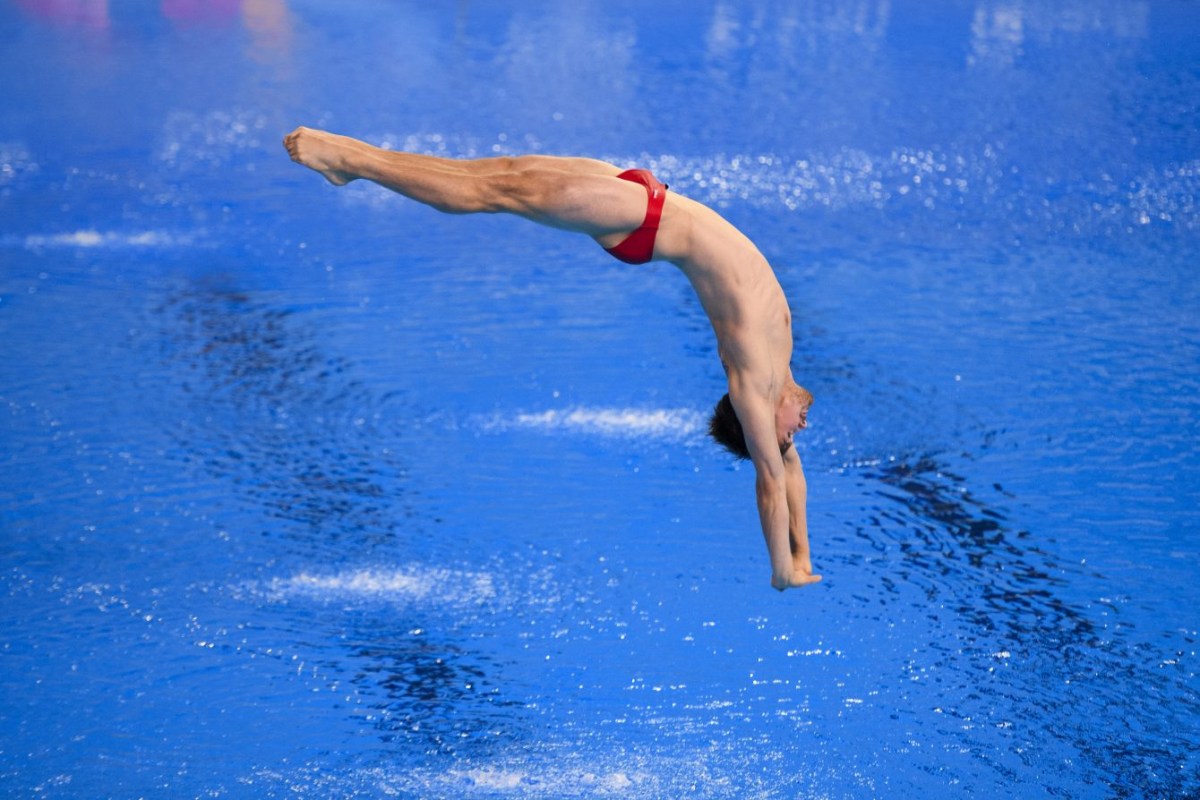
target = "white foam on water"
x: 191, y: 140
x: 484, y: 780
x: 90, y: 238
x: 662, y: 423
x: 15, y: 162
x: 570, y: 774
x: 951, y: 182
x: 499, y: 778
x: 409, y: 584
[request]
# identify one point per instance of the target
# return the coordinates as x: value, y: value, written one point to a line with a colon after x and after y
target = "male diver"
x: 635, y: 218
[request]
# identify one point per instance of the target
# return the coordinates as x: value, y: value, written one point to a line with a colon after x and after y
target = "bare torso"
x: 737, y: 288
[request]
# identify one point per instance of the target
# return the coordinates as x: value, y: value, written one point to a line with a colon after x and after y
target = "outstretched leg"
x: 577, y: 194
x: 501, y: 164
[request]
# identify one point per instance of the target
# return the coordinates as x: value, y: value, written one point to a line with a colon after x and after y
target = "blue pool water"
x: 313, y: 493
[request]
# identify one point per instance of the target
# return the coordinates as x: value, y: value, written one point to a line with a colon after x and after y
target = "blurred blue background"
x: 313, y: 492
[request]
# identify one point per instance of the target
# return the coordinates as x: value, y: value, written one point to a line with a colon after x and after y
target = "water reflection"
x: 191, y: 12
x: 1001, y: 31
x: 1001, y: 110
x: 268, y: 22
x: 270, y: 25
x: 83, y: 13
x: 950, y: 533
x: 806, y: 28
x: 290, y: 429
x: 962, y: 555
x: 280, y: 419
x: 549, y: 56
x: 436, y: 695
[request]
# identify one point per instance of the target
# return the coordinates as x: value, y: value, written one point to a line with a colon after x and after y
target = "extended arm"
x: 773, y: 515
x: 797, y: 499
x: 780, y: 491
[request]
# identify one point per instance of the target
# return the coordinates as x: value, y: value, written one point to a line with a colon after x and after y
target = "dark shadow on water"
x: 957, y: 536
x: 436, y: 697
x: 282, y: 420
x: 268, y: 413
x: 961, y: 552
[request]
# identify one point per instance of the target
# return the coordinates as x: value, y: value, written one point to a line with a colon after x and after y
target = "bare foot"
x: 319, y: 151
x: 795, y: 581
x: 802, y: 563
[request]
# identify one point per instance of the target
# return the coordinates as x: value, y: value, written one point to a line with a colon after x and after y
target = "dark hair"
x: 725, y: 427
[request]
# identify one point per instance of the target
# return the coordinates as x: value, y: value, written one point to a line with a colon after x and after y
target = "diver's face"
x: 792, y: 415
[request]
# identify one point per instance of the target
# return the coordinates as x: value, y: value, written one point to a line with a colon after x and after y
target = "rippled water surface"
x: 312, y: 492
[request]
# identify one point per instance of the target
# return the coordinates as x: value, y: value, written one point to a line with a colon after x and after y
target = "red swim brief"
x: 638, y: 247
